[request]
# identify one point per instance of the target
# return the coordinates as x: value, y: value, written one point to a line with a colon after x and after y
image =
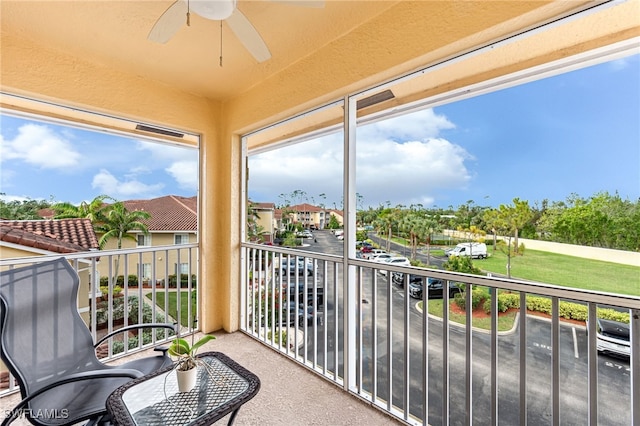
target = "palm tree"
x: 92, y: 211
x: 116, y: 223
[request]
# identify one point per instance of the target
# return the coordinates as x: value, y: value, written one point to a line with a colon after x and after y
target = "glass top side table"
x: 222, y: 387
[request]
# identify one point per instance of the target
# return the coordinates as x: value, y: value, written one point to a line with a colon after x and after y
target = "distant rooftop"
x: 168, y: 213
x: 58, y: 236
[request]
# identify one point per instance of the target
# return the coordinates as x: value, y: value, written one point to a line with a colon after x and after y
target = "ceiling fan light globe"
x: 216, y: 10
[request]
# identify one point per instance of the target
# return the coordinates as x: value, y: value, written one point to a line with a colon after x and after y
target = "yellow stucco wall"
x: 162, y: 260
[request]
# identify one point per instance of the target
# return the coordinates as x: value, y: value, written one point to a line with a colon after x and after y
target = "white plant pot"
x: 187, y: 379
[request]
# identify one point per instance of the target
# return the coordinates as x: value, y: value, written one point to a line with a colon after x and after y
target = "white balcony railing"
x: 109, y: 300
x: 368, y: 335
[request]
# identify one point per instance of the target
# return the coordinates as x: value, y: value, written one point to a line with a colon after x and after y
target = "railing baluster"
x: 523, y: 358
x: 445, y: 355
x: 634, y: 317
x: 494, y: 355
x: 406, y: 346
x: 592, y: 364
x: 374, y: 338
x: 389, y: 343
x: 555, y: 361
x: 425, y: 351
x: 360, y: 337
x: 468, y: 354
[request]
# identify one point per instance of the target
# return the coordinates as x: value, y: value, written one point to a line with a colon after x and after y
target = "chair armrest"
x: 14, y: 413
x: 136, y: 327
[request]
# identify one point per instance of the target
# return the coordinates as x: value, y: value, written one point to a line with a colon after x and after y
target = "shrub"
x: 571, y: 310
x: 104, y: 289
x: 477, y: 296
x: 184, y: 280
x: 132, y: 280
x: 506, y: 301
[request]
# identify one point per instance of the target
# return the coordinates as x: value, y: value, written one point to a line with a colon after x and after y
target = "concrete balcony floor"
x: 289, y: 394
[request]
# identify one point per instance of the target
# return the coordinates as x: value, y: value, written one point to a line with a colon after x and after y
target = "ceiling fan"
x: 218, y: 10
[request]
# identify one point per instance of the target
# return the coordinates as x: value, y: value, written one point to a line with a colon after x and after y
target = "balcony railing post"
x: 635, y: 365
x: 349, y: 271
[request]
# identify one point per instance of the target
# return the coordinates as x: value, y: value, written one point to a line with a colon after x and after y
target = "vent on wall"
x: 158, y: 131
x: 375, y: 99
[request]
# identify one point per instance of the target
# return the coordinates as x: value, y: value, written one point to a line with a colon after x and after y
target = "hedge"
x: 568, y: 310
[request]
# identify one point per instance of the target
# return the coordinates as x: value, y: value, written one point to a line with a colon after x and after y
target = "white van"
x: 475, y: 250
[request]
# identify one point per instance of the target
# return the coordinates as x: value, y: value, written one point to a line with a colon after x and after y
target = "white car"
x: 371, y: 254
x: 395, y: 261
x: 381, y: 257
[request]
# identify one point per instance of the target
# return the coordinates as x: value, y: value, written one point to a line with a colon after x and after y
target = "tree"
x: 254, y: 231
x: 117, y: 223
x: 461, y: 264
x: 430, y: 226
x: 492, y: 221
x: 333, y: 223
x: 385, y: 222
x: 522, y: 214
x: 22, y: 209
x: 92, y: 211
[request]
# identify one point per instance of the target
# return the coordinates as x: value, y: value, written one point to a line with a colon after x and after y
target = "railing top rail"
x: 294, y: 252
x: 93, y: 254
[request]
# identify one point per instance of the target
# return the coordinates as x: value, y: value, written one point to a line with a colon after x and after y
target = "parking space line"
x: 575, y: 342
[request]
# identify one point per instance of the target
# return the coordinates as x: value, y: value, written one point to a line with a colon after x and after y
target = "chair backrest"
x: 42, y: 335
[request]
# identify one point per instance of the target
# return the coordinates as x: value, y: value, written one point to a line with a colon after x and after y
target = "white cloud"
x: 410, y: 172
x: 185, y: 173
x: 40, y: 146
x: 400, y: 161
x: 107, y: 183
x: 419, y: 125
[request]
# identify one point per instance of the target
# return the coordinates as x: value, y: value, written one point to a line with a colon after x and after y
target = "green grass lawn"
x: 566, y: 271
x: 173, y: 310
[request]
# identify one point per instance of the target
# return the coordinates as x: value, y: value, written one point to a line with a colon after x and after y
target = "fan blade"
x: 169, y: 22
x: 248, y: 36
x: 316, y: 4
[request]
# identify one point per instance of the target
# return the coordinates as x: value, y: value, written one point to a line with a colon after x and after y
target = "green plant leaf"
x: 179, y: 347
x: 201, y: 342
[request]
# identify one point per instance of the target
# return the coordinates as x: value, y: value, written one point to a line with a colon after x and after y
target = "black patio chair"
x: 47, y: 346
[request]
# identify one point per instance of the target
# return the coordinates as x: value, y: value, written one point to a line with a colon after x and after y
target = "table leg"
x: 233, y: 416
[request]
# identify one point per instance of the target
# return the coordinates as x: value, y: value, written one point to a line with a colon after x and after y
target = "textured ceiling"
x: 114, y: 33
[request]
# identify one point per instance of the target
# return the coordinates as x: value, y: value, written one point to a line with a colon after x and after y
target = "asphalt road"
x: 613, y: 374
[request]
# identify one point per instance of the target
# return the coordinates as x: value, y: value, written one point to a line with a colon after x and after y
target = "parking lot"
x: 613, y: 373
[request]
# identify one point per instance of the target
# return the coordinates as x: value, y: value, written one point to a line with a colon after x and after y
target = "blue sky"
x: 574, y: 133
x: 43, y: 161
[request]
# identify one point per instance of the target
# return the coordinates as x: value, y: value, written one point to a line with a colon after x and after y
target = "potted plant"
x: 186, y: 362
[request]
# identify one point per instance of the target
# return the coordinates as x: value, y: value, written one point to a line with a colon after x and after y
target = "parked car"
x: 395, y: 261
x: 613, y: 338
x: 365, y: 247
x: 381, y: 257
x: 436, y: 288
x: 296, y: 265
x: 304, y: 234
x: 373, y: 252
x: 304, y: 314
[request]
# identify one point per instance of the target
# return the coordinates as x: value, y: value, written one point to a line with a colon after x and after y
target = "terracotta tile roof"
x: 168, y: 213
x: 305, y: 207
x: 58, y: 236
x: 264, y: 206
